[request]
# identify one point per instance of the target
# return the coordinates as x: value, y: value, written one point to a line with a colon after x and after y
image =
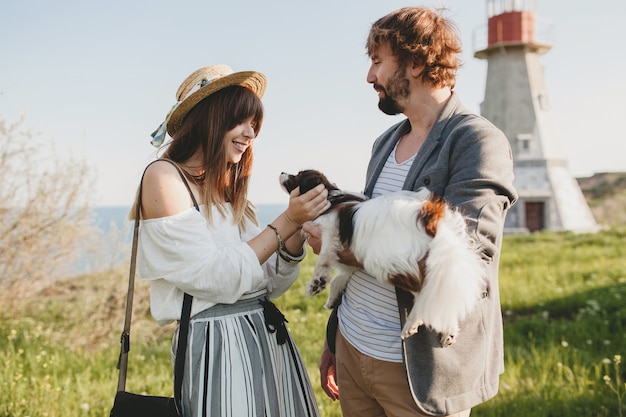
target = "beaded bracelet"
x: 282, y: 251
x: 279, y: 241
x: 289, y: 258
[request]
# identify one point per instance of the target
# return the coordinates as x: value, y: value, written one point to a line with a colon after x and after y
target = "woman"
x: 237, y: 364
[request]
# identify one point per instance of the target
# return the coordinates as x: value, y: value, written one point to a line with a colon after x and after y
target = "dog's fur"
x: 412, y: 240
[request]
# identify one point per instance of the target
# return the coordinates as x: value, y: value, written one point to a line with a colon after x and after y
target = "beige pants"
x: 372, y: 388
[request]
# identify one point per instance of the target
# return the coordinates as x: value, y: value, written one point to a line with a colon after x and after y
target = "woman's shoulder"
x: 163, y: 191
x: 161, y: 168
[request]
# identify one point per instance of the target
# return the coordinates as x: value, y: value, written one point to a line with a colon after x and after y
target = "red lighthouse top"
x: 510, y: 21
x: 511, y: 25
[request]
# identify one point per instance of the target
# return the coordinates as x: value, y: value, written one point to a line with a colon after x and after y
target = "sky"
x: 94, y: 79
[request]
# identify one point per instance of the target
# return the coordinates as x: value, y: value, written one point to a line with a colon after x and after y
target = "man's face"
x: 389, y: 80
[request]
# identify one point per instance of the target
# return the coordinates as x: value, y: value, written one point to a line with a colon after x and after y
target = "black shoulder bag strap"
x: 405, y: 304
x: 181, y: 348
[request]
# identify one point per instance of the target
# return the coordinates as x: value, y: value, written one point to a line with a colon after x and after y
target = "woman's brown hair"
x: 203, y: 129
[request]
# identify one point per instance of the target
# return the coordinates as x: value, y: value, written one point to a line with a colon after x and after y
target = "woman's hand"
x: 301, y: 209
x: 305, y: 207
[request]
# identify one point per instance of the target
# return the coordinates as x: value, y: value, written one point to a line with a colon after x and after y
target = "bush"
x: 44, y: 208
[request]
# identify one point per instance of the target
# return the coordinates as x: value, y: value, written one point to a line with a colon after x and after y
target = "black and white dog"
x: 412, y: 240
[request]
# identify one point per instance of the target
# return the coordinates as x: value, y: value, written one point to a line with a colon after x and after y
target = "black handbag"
x: 127, y: 404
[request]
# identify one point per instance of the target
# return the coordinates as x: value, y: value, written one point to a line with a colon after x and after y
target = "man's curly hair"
x: 420, y: 36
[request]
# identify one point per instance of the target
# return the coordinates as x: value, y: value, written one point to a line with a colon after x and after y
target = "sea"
x: 108, y: 216
x: 117, y: 231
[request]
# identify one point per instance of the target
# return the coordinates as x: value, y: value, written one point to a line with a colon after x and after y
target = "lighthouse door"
x: 535, y: 216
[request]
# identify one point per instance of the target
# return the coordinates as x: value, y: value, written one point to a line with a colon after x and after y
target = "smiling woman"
x: 199, y: 237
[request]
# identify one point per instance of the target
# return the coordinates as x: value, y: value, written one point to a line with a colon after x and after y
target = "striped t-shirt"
x: 368, y: 314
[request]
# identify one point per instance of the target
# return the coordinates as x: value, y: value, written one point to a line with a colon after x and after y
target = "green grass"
x: 565, y: 332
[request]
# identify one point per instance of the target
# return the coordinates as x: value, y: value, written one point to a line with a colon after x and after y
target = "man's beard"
x: 397, y: 87
x: 388, y: 105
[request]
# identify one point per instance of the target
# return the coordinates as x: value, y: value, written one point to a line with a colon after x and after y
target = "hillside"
x: 606, y: 194
x: 603, y: 185
x: 565, y: 334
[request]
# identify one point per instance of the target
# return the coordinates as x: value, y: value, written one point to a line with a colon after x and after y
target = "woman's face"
x: 238, y: 140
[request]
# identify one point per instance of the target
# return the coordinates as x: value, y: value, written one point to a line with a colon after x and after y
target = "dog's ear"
x: 310, y: 179
x: 431, y: 212
x: 345, y: 215
x: 306, y: 180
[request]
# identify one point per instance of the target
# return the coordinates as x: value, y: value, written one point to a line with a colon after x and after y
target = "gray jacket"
x: 468, y: 161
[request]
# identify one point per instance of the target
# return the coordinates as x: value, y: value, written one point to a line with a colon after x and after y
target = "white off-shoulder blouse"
x: 183, y: 253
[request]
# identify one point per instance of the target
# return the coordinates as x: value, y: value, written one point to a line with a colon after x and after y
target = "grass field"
x: 565, y: 334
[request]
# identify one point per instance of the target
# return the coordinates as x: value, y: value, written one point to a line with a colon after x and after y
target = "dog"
x: 412, y: 240
x: 341, y: 201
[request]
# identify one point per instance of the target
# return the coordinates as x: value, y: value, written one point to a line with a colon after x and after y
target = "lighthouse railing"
x: 545, y: 34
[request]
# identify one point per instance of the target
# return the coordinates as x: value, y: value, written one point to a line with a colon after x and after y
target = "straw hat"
x: 200, y: 85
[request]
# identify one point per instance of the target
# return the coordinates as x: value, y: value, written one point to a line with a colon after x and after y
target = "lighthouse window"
x: 524, y: 143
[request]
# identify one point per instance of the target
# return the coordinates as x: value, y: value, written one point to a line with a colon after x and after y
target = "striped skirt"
x: 236, y: 366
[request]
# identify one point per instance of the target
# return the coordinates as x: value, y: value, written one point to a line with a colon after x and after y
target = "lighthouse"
x: 516, y: 101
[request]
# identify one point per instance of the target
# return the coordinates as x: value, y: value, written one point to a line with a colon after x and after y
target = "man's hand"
x: 328, y: 377
x: 314, y: 240
x: 314, y: 234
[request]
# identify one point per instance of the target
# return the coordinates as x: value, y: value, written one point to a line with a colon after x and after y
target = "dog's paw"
x: 332, y: 303
x: 447, y: 339
x: 315, y: 286
x: 410, y: 328
x: 448, y: 336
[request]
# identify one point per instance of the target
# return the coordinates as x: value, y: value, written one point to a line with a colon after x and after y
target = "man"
x: 463, y: 158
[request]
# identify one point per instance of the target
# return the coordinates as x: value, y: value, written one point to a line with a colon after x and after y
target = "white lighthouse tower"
x: 516, y: 100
